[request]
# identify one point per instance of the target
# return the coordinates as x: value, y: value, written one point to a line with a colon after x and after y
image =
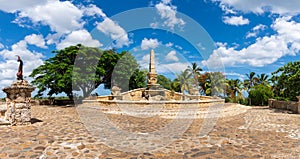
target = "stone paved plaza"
x: 239, y: 132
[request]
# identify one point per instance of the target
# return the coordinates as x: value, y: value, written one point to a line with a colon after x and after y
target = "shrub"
x: 260, y: 94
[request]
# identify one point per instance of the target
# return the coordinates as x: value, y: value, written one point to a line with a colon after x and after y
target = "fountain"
x: 154, y: 100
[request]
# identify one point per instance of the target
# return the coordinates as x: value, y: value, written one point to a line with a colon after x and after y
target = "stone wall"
x: 166, y: 109
x: 285, y: 105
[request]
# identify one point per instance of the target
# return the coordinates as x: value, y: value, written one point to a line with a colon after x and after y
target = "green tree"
x: 263, y: 79
x: 164, y: 82
x: 184, y: 78
x: 138, y: 79
x: 287, y: 81
x: 234, y: 89
x: 212, y: 83
x: 250, y: 82
x: 77, y: 68
x: 260, y: 94
x: 126, y: 74
x: 194, y: 71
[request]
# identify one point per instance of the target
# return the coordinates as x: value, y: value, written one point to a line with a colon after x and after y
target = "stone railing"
x: 285, y: 105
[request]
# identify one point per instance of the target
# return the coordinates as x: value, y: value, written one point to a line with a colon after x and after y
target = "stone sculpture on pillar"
x: 20, y: 70
x: 18, y: 97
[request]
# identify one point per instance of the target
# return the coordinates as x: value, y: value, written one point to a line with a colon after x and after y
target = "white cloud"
x: 17, y: 5
x: 9, y: 65
x: 92, y: 10
x: 50, y: 13
x: 78, y: 37
x: 37, y: 40
x: 168, y: 12
x: 149, y: 44
x: 201, y: 46
x: 1, y: 46
x: 175, y: 67
x: 171, y: 56
x: 265, y: 50
x: 115, y: 32
x: 169, y: 44
x: 256, y: 30
x: 235, y: 20
x: 260, y: 6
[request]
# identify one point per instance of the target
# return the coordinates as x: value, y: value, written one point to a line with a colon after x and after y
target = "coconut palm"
x: 263, y: 79
x: 194, y: 71
x: 234, y: 88
x: 250, y: 82
x: 184, y: 79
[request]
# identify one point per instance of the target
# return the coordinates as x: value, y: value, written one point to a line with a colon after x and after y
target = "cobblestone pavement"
x: 58, y: 132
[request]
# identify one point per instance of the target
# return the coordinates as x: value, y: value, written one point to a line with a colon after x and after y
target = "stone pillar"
x: 18, y: 97
x: 152, y: 75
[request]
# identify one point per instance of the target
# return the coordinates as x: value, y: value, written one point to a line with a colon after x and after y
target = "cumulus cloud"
x: 171, y: 56
x: 92, y: 10
x: 37, y: 40
x: 17, y: 5
x: 9, y: 65
x: 175, y: 67
x: 50, y: 13
x: 149, y: 44
x: 168, y: 12
x: 256, y: 30
x: 235, y: 20
x: 265, y: 50
x: 78, y: 37
x: 114, y: 31
x: 261, y: 6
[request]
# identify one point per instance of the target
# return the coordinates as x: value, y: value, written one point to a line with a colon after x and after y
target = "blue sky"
x: 234, y: 37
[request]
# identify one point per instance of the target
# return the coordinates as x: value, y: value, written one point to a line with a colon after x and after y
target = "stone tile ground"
x: 58, y: 132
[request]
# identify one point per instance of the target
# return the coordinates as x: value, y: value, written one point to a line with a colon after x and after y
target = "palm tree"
x: 250, y: 82
x: 184, y: 79
x: 216, y: 84
x: 263, y: 79
x: 234, y: 88
x: 194, y: 71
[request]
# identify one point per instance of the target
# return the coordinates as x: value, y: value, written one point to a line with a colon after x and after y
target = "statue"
x: 20, y: 70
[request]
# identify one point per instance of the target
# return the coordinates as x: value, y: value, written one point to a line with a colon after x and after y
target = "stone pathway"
x: 59, y: 132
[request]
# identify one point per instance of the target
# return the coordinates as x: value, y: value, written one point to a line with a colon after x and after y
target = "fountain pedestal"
x: 18, y: 105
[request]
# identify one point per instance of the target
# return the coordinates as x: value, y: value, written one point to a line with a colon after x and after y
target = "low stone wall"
x: 165, y: 109
x: 285, y: 105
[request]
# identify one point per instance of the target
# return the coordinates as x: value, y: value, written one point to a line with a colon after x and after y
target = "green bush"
x: 260, y: 94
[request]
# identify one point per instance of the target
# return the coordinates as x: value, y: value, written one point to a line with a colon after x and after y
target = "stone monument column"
x: 18, y: 97
x: 152, y: 75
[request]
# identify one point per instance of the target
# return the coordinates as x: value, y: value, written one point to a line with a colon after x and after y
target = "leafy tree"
x: 260, y: 94
x: 286, y: 80
x: 126, y: 74
x: 77, y: 68
x: 138, y: 79
x: 164, y: 82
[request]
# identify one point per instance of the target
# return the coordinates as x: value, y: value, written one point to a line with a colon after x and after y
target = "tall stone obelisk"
x: 152, y: 75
